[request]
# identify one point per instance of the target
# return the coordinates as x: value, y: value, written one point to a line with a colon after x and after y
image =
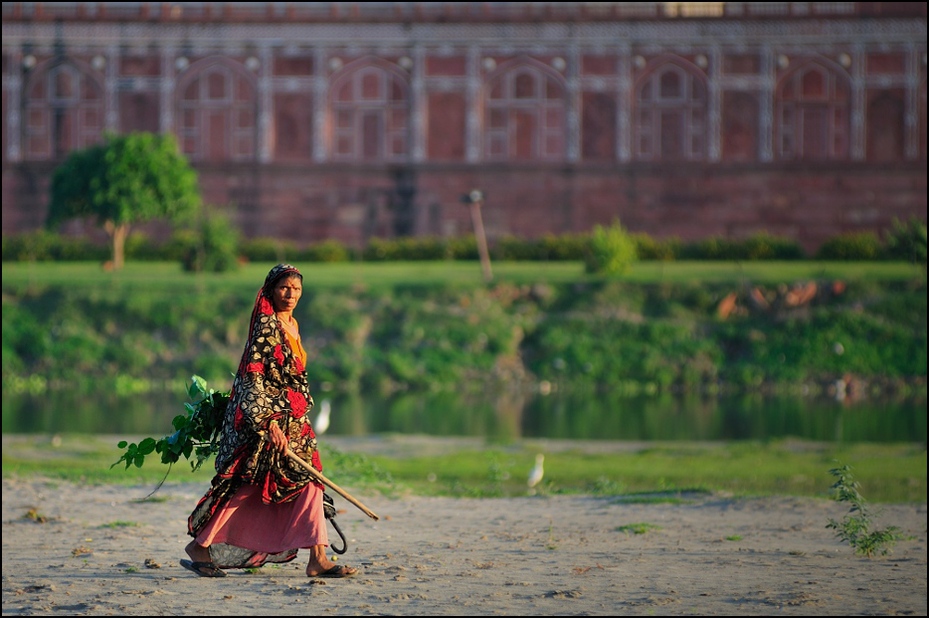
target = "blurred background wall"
x: 309, y: 121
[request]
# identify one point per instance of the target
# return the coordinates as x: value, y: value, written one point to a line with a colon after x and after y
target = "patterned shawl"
x: 269, y: 386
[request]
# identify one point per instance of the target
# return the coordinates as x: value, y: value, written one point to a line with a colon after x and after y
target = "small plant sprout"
x: 640, y: 528
x: 855, y: 527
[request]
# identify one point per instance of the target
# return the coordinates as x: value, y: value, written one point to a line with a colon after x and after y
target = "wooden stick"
x: 322, y: 479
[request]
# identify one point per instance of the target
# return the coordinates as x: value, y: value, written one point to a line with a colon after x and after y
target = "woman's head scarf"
x: 276, y: 274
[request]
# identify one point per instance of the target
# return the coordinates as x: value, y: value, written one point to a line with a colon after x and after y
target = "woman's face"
x: 286, y: 293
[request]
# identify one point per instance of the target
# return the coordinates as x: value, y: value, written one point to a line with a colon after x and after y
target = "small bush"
x: 763, y: 246
x: 851, y: 246
x: 648, y: 248
x: 267, y: 250
x: 463, y: 248
x: 611, y: 251
x: 326, y: 251
x: 906, y: 241
x: 216, y: 249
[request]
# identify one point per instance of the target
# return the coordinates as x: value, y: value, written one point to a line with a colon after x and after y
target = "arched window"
x: 370, y: 110
x: 812, y: 119
x: 670, y: 120
x: 524, y: 115
x: 63, y: 111
x: 740, y: 127
x: 885, y: 129
x: 217, y: 113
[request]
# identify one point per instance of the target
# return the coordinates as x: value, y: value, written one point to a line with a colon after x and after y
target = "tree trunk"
x: 118, y: 234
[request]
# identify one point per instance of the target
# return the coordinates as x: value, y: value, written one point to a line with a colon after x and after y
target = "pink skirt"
x: 246, y: 522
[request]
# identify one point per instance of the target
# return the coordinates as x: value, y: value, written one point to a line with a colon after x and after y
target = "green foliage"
x: 217, y: 248
x: 612, y: 250
x: 547, y: 248
x: 906, y: 241
x: 326, y: 251
x: 196, y: 434
x: 404, y: 249
x: 856, y: 527
x: 128, y: 179
x: 759, y: 246
x: 265, y: 249
x: 649, y: 248
x: 638, y: 528
x: 851, y: 246
x: 45, y: 246
x: 763, y: 246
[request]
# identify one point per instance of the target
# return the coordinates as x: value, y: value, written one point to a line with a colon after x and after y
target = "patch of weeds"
x: 734, y: 537
x: 661, y: 497
x: 34, y: 515
x: 120, y: 524
x: 640, y: 528
x: 855, y: 527
x: 605, y: 486
x: 552, y: 543
x: 132, y: 569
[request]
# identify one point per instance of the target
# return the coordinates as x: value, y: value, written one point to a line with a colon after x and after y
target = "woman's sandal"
x: 338, y: 570
x: 203, y: 569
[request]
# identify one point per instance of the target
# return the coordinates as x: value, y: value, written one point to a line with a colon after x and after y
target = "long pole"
x: 481, y: 238
x: 322, y: 479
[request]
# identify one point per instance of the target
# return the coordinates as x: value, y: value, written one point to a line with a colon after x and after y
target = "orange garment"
x: 295, y: 344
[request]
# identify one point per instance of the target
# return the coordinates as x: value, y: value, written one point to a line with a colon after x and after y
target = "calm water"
x: 508, y: 417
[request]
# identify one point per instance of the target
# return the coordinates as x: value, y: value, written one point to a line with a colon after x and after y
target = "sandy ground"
x: 101, y: 550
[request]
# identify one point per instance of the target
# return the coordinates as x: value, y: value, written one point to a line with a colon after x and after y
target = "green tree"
x: 126, y: 180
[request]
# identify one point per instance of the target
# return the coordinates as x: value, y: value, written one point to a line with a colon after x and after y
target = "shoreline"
x: 101, y: 550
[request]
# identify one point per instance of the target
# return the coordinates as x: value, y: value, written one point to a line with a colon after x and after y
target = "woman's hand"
x: 278, y: 439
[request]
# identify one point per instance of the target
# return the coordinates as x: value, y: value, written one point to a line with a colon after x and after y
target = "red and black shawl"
x: 270, y: 386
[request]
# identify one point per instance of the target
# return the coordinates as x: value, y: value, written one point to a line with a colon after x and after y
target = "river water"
x: 511, y: 416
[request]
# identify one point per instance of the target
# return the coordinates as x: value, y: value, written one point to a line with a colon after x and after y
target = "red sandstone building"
x: 346, y: 120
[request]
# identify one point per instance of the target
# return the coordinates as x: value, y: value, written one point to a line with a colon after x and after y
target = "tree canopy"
x: 126, y: 180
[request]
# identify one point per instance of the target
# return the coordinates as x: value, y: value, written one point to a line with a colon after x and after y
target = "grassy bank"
x: 389, y: 327
x: 889, y: 473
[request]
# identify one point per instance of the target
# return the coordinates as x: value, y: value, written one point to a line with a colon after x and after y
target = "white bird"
x: 535, y: 477
x: 322, y: 419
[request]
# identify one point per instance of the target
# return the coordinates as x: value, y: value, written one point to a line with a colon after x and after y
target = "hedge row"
x: 905, y: 241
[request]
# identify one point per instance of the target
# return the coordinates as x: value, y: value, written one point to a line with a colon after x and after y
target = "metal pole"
x: 476, y: 199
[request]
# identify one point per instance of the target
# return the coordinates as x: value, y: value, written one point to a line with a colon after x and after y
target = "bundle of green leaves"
x: 196, y: 434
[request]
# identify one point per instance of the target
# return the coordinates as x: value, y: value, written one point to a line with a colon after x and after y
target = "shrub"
x: 763, y: 246
x: 712, y: 248
x: 326, y: 251
x: 648, y: 248
x: 140, y: 247
x: 216, y: 249
x: 611, y: 250
x: 463, y: 248
x: 267, y: 250
x: 518, y: 249
x: 851, y: 246
x: 906, y: 241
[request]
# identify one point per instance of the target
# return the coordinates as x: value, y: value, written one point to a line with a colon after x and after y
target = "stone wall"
x: 351, y: 123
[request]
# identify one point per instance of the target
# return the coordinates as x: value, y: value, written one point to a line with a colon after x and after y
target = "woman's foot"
x: 198, y: 553
x: 201, y: 562
x: 336, y: 570
x: 321, y: 566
